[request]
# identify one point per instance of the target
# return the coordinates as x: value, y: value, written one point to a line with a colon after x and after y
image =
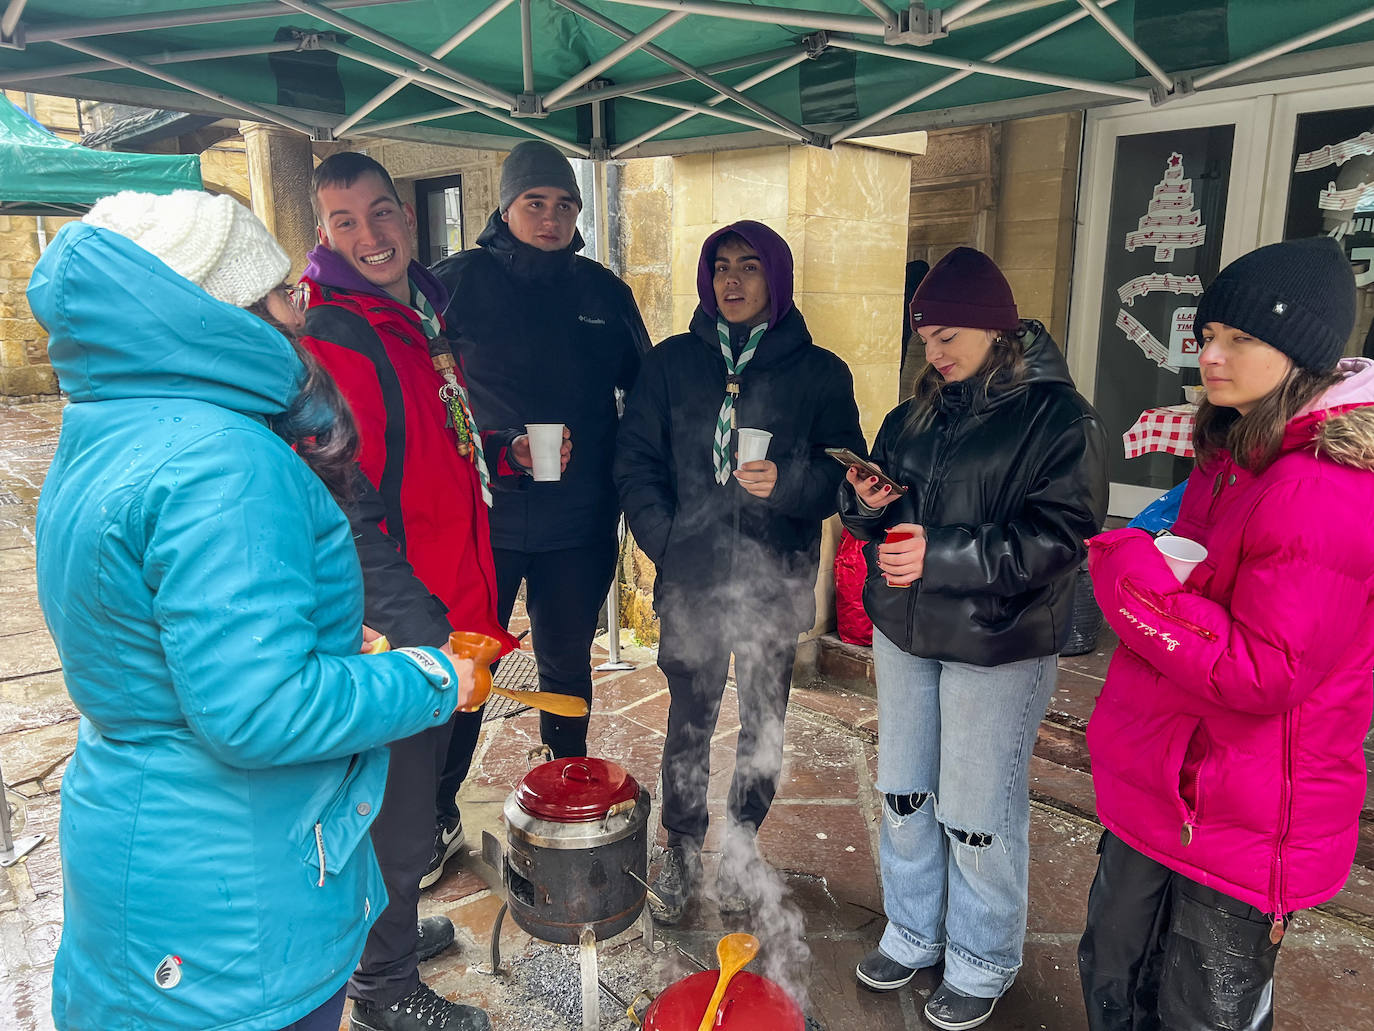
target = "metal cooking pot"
x: 752, y: 1003
x: 576, y: 856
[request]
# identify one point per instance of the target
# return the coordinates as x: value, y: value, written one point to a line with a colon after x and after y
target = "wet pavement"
x: 821, y: 838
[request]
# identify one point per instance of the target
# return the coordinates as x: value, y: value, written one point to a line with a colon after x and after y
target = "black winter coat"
x: 1007, y: 484
x: 545, y: 337
x: 704, y: 536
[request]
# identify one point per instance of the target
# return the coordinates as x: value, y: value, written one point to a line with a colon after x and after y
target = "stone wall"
x: 641, y: 236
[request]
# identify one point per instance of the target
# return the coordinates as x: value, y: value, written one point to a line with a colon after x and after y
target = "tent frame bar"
x: 261, y: 114
x: 1296, y: 43
x: 443, y: 88
x: 452, y: 43
x: 769, y: 15
x: 1044, y: 32
x: 1128, y: 44
x: 56, y: 32
x: 719, y: 98
x: 950, y: 15
x: 527, y: 44
x: 182, y: 57
x: 626, y: 48
x: 14, y: 10
x: 1111, y: 89
x: 672, y: 78
x: 389, y: 43
x: 885, y: 14
x: 701, y: 109
x: 800, y: 131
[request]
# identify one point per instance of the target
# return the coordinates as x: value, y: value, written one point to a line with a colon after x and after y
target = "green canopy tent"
x: 624, y: 78
x: 42, y: 174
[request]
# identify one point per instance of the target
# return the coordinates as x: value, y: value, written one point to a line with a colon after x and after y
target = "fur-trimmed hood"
x: 1340, y: 422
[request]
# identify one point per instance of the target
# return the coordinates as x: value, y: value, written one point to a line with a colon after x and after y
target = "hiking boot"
x: 952, y: 1010
x: 879, y: 972
x: 433, y: 935
x: 448, y: 839
x: 421, y: 1010
x: 743, y: 872
x: 730, y: 895
x: 678, y: 877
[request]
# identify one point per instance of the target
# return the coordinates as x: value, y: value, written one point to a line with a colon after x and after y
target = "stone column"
x: 280, y: 164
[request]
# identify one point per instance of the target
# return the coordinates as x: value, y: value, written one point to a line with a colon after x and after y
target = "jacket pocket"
x: 332, y: 837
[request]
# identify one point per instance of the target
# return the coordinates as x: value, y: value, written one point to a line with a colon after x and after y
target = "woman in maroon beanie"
x: 1005, y: 474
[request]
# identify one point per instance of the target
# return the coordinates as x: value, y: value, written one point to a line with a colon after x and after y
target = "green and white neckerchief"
x: 734, y: 368
x: 453, y: 394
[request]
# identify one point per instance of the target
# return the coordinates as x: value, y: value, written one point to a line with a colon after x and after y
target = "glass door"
x: 439, y: 214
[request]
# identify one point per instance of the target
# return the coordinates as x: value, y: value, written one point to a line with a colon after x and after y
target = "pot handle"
x: 619, y: 809
x: 630, y: 1011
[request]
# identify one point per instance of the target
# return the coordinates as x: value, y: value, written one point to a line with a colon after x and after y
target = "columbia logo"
x: 168, y: 972
x: 591, y: 320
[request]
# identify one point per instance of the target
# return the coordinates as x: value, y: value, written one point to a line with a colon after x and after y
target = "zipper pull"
x: 1185, y: 836
x: 1277, y: 928
x: 319, y: 848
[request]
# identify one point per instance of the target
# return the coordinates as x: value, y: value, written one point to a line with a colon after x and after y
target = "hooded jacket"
x: 699, y: 533
x: 1227, y: 741
x: 420, y: 522
x: 204, y: 594
x: 1007, y: 482
x: 545, y: 337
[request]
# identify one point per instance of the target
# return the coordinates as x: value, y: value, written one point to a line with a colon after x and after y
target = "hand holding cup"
x: 902, y: 555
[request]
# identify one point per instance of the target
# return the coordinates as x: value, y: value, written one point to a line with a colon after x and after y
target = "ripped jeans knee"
x: 899, y: 807
x: 973, y: 839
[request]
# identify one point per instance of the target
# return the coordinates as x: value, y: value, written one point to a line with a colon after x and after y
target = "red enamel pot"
x: 752, y: 1003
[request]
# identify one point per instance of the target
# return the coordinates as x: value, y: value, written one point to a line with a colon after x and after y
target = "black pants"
x: 696, y: 639
x: 1164, y: 953
x: 564, y: 593
x: 403, y: 837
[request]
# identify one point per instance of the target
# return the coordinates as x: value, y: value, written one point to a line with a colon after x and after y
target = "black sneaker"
x: 433, y: 935
x: 421, y: 1010
x: 448, y: 839
x: 742, y: 872
x: 952, y: 1010
x: 880, y: 973
x: 677, y: 879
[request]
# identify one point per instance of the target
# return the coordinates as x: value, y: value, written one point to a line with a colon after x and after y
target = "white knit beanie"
x: 214, y: 241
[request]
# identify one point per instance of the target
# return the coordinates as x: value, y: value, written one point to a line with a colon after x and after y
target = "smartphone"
x: 848, y: 458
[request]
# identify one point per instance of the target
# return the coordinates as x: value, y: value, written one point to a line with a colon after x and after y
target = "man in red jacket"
x: 419, y: 518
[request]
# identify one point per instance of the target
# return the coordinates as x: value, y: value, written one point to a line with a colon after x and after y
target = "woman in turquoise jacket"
x: 203, y: 590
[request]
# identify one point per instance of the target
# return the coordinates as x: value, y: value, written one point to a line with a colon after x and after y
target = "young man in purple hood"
x: 419, y: 520
x: 736, y: 545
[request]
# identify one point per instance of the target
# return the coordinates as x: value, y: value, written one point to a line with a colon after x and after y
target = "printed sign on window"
x: 1183, y: 345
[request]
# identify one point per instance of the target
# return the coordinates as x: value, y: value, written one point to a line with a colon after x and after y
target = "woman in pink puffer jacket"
x: 1227, y: 742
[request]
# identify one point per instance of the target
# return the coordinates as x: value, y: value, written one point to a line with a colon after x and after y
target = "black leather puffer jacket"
x: 1007, y: 483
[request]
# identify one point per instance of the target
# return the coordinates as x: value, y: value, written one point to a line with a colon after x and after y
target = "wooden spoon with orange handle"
x: 733, y: 952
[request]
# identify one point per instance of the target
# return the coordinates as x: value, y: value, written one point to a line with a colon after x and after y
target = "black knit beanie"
x: 532, y: 164
x: 965, y: 289
x: 1298, y: 296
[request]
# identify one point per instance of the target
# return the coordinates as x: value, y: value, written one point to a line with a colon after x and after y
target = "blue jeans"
x: 954, y: 748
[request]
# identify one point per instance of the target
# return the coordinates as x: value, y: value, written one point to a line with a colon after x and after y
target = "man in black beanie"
x: 545, y: 336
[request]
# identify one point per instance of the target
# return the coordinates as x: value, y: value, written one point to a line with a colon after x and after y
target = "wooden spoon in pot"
x: 733, y: 952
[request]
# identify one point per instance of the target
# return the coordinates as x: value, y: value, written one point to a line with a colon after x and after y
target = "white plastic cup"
x: 546, y: 446
x: 1181, y: 555
x: 753, y: 445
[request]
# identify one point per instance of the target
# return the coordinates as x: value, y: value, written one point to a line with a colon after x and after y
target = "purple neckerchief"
x: 772, y: 250
x: 329, y: 268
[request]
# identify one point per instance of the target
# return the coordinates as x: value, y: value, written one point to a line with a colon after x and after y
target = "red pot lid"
x: 573, y: 790
x: 751, y: 1002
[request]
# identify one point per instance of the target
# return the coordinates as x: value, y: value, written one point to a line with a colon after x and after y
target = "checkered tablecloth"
x: 1162, y: 429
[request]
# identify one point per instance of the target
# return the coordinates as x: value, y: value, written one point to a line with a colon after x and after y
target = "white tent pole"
x: 181, y: 57
x: 702, y: 109
x: 671, y: 78
x: 1044, y: 32
x: 454, y: 41
x: 652, y: 50
x: 1296, y: 43
x: 1006, y: 10
x: 1128, y: 44
x: 419, y: 78
x: 769, y: 15
x: 749, y: 83
x: 527, y: 45
x: 368, y: 128
x: 885, y: 13
x: 602, y: 63
x: 395, y: 46
x: 462, y: 105
x: 10, y: 18
x: 950, y: 15
x: 261, y: 114
x: 1111, y: 89
x: 55, y: 32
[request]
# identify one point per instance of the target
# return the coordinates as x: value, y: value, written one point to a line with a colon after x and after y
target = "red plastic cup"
x: 893, y: 536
